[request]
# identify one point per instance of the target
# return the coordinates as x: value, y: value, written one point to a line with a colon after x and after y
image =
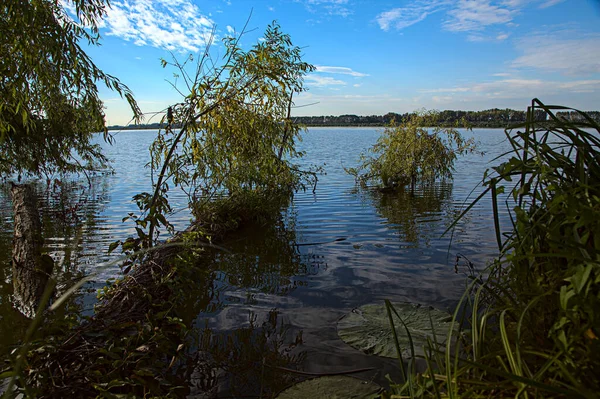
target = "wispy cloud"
x: 403, y: 17
x: 516, y: 88
x: 446, y: 90
x: 329, y: 7
x: 570, y: 56
x: 479, y: 37
x: 460, y: 15
x: 323, y: 81
x: 550, y: 3
x: 472, y: 15
x: 339, y: 70
x: 175, y: 25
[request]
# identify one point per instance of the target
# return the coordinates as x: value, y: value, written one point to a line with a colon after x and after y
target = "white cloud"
x: 515, y: 93
x: 230, y: 30
x: 476, y: 38
x: 339, y: 70
x: 357, y: 85
x: 442, y: 99
x: 403, y: 17
x: 461, y: 15
x: 570, y: 56
x: 471, y: 15
x: 516, y: 88
x: 329, y: 7
x: 550, y: 3
x: 338, y: 104
x: 175, y: 25
x: 446, y: 90
x: 323, y: 81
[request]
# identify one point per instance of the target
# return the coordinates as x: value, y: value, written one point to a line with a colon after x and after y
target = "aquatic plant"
x: 531, y: 327
x: 415, y: 150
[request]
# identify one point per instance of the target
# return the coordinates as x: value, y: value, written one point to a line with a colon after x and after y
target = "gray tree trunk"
x: 30, y: 269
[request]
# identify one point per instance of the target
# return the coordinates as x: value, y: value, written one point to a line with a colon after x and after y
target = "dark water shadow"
x: 258, y: 259
x: 69, y: 214
x: 252, y: 349
x: 418, y: 216
x: 257, y: 360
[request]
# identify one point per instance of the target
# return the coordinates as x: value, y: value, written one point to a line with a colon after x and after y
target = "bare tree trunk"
x: 30, y: 269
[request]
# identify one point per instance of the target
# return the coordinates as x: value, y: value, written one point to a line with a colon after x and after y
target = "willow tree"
x: 236, y: 137
x: 50, y: 108
x: 414, y: 151
x: 50, y: 105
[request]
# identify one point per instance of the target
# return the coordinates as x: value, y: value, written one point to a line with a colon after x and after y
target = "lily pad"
x: 332, y: 387
x: 368, y: 328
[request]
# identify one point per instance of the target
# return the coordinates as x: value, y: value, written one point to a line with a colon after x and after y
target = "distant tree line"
x: 499, y: 118
x: 489, y: 118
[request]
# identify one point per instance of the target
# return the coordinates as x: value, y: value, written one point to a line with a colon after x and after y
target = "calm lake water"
x: 337, y: 249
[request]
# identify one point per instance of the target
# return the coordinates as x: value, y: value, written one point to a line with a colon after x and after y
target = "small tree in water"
x: 236, y: 139
x: 410, y: 152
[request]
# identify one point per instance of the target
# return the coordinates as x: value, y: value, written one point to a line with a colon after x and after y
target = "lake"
x: 336, y: 249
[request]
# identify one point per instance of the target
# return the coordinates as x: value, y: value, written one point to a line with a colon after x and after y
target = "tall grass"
x: 531, y: 328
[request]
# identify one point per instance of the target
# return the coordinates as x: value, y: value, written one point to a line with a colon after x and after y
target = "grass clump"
x: 531, y: 328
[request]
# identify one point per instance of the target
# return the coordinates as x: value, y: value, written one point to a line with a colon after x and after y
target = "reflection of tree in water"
x: 418, y: 215
x: 245, y: 362
x: 266, y: 259
x: 69, y: 211
x: 259, y: 258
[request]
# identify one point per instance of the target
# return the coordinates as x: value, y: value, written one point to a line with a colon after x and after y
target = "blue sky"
x: 373, y: 57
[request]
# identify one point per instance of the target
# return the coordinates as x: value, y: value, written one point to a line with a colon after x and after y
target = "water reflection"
x: 69, y: 211
x: 252, y: 361
x: 416, y: 215
x: 265, y: 259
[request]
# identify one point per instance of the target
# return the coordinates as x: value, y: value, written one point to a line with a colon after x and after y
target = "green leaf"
x: 113, y: 245
x: 367, y: 328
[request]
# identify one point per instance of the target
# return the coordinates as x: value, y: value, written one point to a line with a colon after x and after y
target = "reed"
x: 531, y: 327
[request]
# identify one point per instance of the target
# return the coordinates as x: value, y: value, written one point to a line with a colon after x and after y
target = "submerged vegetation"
x: 409, y: 153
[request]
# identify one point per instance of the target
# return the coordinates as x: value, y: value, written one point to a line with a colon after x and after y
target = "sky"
x: 371, y: 57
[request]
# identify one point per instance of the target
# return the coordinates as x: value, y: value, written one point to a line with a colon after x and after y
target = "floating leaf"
x: 368, y: 329
x: 332, y: 387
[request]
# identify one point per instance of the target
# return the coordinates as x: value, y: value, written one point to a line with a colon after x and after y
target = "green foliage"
x: 410, y: 153
x: 235, y: 131
x: 364, y: 328
x: 50, y: 106
x: 236, y: 135
x: 531, y: 329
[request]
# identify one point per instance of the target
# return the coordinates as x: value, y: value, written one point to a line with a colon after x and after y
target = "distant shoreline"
x: 490, y: 119
x: 149, y: 127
